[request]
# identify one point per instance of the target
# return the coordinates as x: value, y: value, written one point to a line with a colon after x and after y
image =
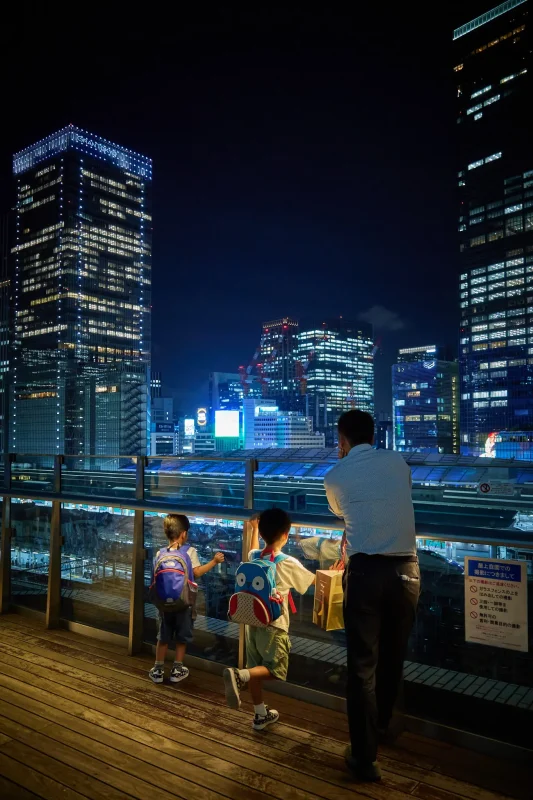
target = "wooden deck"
x: 80, y: 719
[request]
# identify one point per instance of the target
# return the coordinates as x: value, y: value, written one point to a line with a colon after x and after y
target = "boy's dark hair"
x: 174, y: 525
x: 357, y: 427
x: 273, y: 523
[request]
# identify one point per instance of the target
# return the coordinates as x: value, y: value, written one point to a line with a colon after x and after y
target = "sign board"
x: 496, y: 488
x: 201, y: 417
x: 164, y: 427
x: 496, y: 603
x: 227, y: 424
x: 189, y: 427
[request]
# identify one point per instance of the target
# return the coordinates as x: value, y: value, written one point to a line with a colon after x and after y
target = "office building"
x: 4, y: 332
x: 204, y: 443
x: 156, y: 385
x: 494, y: 72
x: 384, y: 432
x: 81, y: 272
x: 228, y: 389
x: 275, y: 363
x: 268, y: 426
x: 335, y: 372
x: 425, y: 398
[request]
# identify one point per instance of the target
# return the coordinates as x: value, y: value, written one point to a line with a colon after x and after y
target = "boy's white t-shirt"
x: 290, y: 574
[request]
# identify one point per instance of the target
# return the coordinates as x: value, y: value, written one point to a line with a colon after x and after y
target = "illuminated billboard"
x: 227, y: 424
x: 189, y: 427
x: 201, y: 417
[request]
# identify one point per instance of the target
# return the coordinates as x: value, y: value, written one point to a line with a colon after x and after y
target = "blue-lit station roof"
x: 314, y: 463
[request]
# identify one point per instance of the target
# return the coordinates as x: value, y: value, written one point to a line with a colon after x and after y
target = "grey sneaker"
x: 157, y: 674
x: 260, y: 723
x: 178, y: 673
x: 233, y: 685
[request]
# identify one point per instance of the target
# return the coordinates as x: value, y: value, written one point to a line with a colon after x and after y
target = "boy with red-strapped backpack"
x: 173, y: 592
x: 261, y: 601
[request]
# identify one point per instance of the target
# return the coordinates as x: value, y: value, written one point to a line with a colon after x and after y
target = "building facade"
x: 276, y: 369
x: 494, y: 73
x: 266, y: 425
x: 81, y: 277
x: 425, y: 398
x: 335, y: 372
x: 227, y: 391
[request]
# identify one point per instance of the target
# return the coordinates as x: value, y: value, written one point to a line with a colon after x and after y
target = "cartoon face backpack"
x: 257, y: 601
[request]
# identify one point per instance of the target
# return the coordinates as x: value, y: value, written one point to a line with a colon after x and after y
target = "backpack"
x: 173, y: 589
x: 257, y: 601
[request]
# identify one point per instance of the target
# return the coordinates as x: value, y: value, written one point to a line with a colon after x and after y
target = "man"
x: 371, y: 490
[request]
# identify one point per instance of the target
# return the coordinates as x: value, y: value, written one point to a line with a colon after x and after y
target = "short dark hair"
x: 174, y: 525
x: 273, y: 523
x: 357, y: 427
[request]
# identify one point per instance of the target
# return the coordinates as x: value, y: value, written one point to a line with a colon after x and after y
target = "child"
x: 177, y: 626
x: 267, y: 649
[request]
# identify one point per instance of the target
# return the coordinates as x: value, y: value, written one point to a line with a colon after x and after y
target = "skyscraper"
x: 335, y: 372
x: 278, y: 365
x: 228, y: 389
x: 425, y: 399
x: 81, y: 272
x: 4, y: 332
x: 493, y: 70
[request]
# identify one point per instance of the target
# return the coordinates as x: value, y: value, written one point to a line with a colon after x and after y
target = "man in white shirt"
x: 371, y: 490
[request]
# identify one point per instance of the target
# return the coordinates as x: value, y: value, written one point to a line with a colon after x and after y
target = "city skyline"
x: 313, y: 172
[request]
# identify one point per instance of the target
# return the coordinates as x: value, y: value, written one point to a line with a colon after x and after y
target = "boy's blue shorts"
x: 175, y: 627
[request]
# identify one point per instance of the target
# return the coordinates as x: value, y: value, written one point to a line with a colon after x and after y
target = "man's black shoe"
x: 368, y: 771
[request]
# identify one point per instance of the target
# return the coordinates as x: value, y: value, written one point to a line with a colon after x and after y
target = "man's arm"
x: 332, y: 500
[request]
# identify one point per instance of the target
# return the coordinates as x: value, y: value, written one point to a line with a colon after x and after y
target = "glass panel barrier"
x: 214, y: 637
x: 99, y: 477
x: 187, y: 482
x: 32, y: 473
x: 96, y: 566
x: 30, y: 552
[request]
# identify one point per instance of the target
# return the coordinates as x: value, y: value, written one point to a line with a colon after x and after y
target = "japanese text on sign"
x: 496, y: 603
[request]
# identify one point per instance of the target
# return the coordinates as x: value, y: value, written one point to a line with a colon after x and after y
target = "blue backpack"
x: 257, y: 601
x: 173, y: 588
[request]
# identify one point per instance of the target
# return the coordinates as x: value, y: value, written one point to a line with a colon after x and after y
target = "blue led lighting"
x: 487, y: 17
x: 78, y: 139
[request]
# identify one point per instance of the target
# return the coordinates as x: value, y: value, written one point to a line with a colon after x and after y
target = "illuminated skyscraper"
x: 493, y: 71
x: 4, y: 331
x: 334, y: 370
x: 278, y: 365
x: 425, y: 399
x: 81, y: 272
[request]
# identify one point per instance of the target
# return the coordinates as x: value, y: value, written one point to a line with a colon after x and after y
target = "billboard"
x: 189, y: 427
x: 164, y: 427
x: 227, y: 424
x: 201, y: 417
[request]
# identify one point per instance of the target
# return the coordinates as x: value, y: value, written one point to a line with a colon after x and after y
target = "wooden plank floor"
x: 80, y: 719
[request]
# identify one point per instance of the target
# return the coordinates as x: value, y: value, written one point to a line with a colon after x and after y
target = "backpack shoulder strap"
x: 280, y: 557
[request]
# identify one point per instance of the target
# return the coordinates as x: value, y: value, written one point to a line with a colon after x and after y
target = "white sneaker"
x: 157, y: 674
x: 233, y: 685
x: 178, y: 674
x: 260, y: 723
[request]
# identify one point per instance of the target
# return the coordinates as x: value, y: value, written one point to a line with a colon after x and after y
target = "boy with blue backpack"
x: 261, y: 602
x: 173, y: 592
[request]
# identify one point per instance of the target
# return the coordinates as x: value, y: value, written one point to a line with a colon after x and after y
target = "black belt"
x: 389, y: 559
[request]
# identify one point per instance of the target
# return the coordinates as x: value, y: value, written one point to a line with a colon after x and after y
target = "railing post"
x: 5, y: 563
x: 135, y: 635
x: 250, y: 467
x: 53, y: 597
x: 5, y: 541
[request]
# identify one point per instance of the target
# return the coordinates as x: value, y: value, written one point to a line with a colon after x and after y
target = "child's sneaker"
x: 233, y: 684
x: 178, y: 673
x: 260, y: 723
x: 157, y: 674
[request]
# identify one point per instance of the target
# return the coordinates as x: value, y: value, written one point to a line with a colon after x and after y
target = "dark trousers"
x: 380, y: 599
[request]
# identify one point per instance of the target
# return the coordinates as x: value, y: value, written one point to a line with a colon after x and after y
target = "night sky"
x: 303, y: 165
